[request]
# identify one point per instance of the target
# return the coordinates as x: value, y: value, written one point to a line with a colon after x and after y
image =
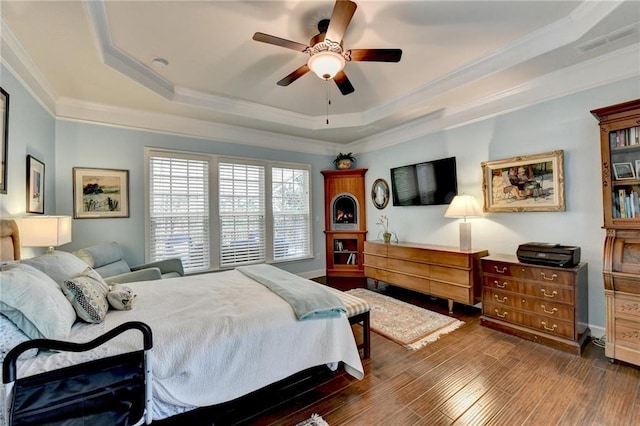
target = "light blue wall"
x: 31, y: 132
x: 559, y: 124
x: 91, y: 145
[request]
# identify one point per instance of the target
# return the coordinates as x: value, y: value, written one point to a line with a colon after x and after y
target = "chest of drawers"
x: 544, y: 304
x: 441, y: 271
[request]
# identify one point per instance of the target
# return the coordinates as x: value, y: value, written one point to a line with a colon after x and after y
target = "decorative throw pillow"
x: 34, y: 302
x: 121, y: 297
x: 88, y: 296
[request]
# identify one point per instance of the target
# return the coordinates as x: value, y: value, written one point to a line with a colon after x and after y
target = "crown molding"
x: 74, y: 110
x: 15, y: 57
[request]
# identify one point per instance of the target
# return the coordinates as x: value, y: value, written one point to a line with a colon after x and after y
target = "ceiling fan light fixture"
x: 326, y: 64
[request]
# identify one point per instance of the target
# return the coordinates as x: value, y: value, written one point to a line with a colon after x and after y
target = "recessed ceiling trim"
x: 551, y: 37
x: 120, y: 61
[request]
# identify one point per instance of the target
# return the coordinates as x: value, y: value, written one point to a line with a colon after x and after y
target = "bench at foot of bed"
x: 358, y: 313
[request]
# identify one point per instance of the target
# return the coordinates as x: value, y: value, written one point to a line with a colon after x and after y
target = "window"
x: 179, y: 210
x: 222, y: 212
x: 291, y: 216
x: 241, y: 204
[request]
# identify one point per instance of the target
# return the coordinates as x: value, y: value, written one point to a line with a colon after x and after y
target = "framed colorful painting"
x: 100, y: 193
x: 530, y: 183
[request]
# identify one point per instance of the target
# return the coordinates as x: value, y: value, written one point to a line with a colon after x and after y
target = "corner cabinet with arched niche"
x: 345, y: 225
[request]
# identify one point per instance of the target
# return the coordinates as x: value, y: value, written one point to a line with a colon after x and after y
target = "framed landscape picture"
x: 530, y: 183
x: 100, y: 193
x: 35, y: 185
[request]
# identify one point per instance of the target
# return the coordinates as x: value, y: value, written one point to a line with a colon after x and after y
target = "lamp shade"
x: 326, y: 64
x: 463, y: 206
x: 45, y: 231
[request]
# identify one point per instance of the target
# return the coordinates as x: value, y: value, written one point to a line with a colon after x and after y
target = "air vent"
x: 608, y: 38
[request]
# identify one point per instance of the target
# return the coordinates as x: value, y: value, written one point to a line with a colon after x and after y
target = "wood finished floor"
x: 473, y: 376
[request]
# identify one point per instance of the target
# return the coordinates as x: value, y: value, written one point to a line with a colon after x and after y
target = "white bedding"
x: 215, y: 337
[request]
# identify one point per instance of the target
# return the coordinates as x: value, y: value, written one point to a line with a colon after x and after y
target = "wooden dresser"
x: 544, y: 304
x: 441, y: 271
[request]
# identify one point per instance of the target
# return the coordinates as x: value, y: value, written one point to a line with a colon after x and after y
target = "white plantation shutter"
x: 179, y: 210
x: 291, y: 216
x: 241, y: 201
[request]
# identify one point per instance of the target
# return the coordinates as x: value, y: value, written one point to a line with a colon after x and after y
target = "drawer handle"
x: 552, y: 311
x: 552, y: 295
x: 544, y: 277
x: 504, y: 314
x: 552, y: 328
x: 501, y: 270
x: 503, y: 285
x: 503, y: 300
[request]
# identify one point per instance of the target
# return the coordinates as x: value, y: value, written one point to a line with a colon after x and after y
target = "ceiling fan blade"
x: 343, y: 83
x: 340, y: 18
x: 294, y: 76
x: 266, y: 38
x: 379, y: 55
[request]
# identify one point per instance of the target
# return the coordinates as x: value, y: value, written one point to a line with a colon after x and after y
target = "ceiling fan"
x: 327, y: 57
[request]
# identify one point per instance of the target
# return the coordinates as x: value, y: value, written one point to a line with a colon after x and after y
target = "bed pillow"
x: 87, y: 293
x: 34, y: 302
x: 59, y: 265
x: 10, y: 337
x: 121, y: 297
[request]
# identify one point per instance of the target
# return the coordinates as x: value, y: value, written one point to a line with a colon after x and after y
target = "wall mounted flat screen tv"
x: 424, y: 184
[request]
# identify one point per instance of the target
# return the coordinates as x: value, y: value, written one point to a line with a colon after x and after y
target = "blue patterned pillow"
x: 88, y: 296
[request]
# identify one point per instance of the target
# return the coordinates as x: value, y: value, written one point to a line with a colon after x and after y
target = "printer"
x: 549, y: 254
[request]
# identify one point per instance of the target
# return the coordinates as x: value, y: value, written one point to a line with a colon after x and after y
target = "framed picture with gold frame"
x: 529, y: 183
x: 380, y: 193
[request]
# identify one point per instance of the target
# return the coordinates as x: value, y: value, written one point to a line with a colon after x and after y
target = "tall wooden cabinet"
x: 620, y: 150
x: 345, y: 223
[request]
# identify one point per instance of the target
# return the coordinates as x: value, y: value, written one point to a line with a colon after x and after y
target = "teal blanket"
x: 308, y: 299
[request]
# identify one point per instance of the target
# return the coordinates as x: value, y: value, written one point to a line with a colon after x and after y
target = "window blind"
x: 179, y: 210
x: 241, y: 203
x: 291, y: 216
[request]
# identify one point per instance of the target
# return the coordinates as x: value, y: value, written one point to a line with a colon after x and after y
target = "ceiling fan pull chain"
x: 328, y: 100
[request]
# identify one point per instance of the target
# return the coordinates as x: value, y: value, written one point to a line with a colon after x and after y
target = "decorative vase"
x: 387, y: 237
x: 343, y: 164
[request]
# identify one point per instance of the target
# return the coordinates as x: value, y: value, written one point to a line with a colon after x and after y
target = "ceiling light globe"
x: 326, y: 64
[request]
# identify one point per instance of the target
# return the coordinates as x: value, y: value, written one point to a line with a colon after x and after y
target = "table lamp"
x: 45, y: 231
x: 464, y: 206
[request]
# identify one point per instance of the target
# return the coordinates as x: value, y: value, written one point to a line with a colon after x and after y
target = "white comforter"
x: 216, y: 337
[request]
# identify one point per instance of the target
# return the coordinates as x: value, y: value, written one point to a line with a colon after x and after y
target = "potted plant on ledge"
x: 344, y: 161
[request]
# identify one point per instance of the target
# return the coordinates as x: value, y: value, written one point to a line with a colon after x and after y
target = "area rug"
x: 404, y: 323
x: 314, y: 420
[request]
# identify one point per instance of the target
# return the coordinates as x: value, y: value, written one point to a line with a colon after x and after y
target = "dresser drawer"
x: 552, y: 326
x: 375, y: 261
x: 458, y: 276
x: 530, y: 304
x: 372, y: 248
x: 550, y: 292
x: 626, y: 332
x: 627, y: 307
x: 410, y: 282
x: 529, y: 272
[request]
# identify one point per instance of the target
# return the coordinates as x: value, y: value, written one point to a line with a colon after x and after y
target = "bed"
x: 217, y: 336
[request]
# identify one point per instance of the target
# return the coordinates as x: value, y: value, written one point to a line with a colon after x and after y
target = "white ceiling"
x: 462, y: 61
